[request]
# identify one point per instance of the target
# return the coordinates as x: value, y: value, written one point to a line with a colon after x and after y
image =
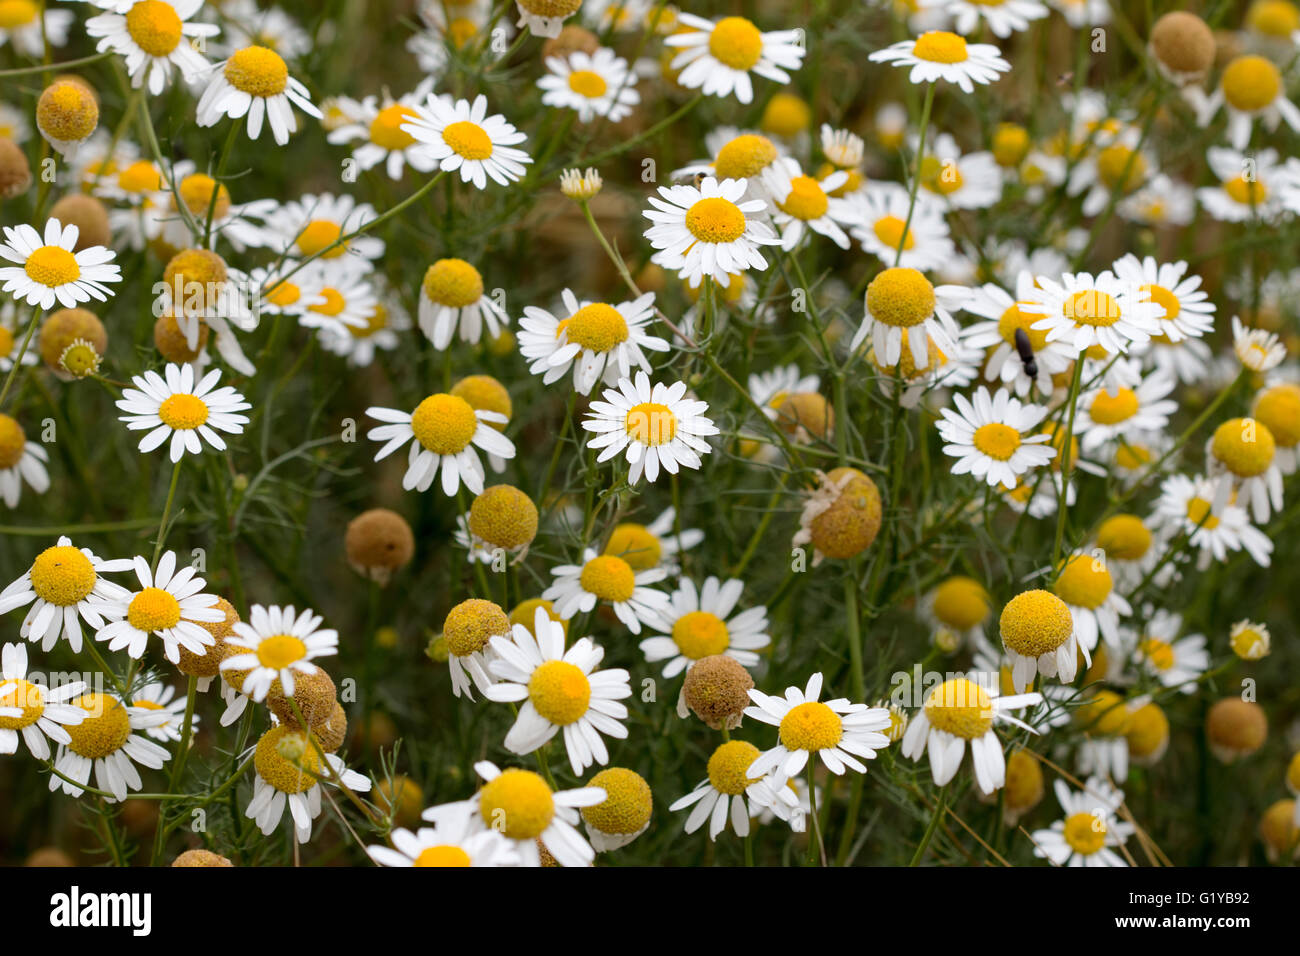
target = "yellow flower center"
x: 627, y: 804
x: 598, y: 327
x: 1249, y: 644
x: 1132, y: 457
x: 468, y: 140
x: 67, y: 111
x: 1163, y: 298
x: 1010, y: 144
x: 333, y: 305
x: 317, y: 236
x: 1058, y: 442
x: 587, y: 83
x: 517, y: 803
x: 1092, y: 307
x: 460, y: 31
x: 1084, y: 582
x: 942, y: 178
x: 1248, y: 192
x: 287, y: 776
x: 700, y: 634
x: 715, y: 220
x: 651, y: 423
x: 1124, y: 537
x: 1159, y: 654
x: 28, y: 698
x: 560, y: 691
x: 444, y: 424
x: 807, y: 199
x: 196, y: 192
x: 6, y: 342
x: 961, y: 603
x: 1148, y: 731
x: 485, y: 393
x: 811, y: 726
x: 284, y: 294
x: 17, y: 13
x: 153, y: 609
x: 183, y: 412
x: 471, y: 624
x: 609, y: 578
x: 961, y: 707
x: 52, y: 266
x: 140, y: 177
x: 280, y: 650
x: 1035, y: 622
x: 1275, y: 18
x: 257, y: 71
x: 1244, y: 445
x: 1085, y: 832
x: 889, y: 230
x: 729, y: 766
x: 12, y: 442
x: 940, y: 46
x: 900, y: 297
x: 62, y: 575
x: 1251, y: 83
x: 1199, y: 513
x: 442, y: 855
x: 1120, y: 168
x: 1013, y: 319
x: 453, y: 283
x: 1278, y: 409
x: 735, y: 42
x: 1110, y: 409
x: 996, y: 440
x: 386, y: 128
x: 744, y: 157
x: 635, y: 545
x: 154, y: 26
x: 104, y: 729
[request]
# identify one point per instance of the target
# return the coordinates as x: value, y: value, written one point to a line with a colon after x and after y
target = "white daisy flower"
x: 1112, y: 414
x: 1243, y: 451
x: 730, y: 793
x: 1002, y: 331
x: 33, y: 711
x: 965, y: 710
x: 20, y: 460
x: 902, y: 303
x: 992, y: 438
x: 1087, y: 586
x: 1200, y: 508
x: 1089, y: 830
x: 169, y: 605
x: 1250, y: 87
x: 600, y: 341
x: 343, y: 298
x: 804, y: 202
x: 296, y: 783
x: 717, y: 58
x: 842, y: 148
x: 178, y: 408
x: 657, y: 544
x: 1174, y: 661
x: 769, y: 390
x: 458, y: 838
x: 247, y: 24
x: 593, y: 84
x: 956, y: 180
x: 708, y: 231
x: 255, y: 81
x: 153, y: 36
x: 1257, y: 349
x: 940, y: 55
x: 878, y: 218
x: 48, y: 270
x: 445, y: 429
x: 1188, y: 311
x: 62, y: 584
x: 1082, y: 310
x: 1004, y: 17
x: 608, y: 578
x: 559, y: 690
x: 700, y: 623
x: 22, y: 28
x: 1251, y: 186
x: 278, y: 643
x: 310, y: 226
x: 655, y: 426
x: 453, y: 301
x: 836, y: 731
x: 162, y: 697
x: 384, y: 322
x: 105, y: 741
x: 461, y: 136
x: 378, y: 131
x: 520, y: 806
x: 545, y: 18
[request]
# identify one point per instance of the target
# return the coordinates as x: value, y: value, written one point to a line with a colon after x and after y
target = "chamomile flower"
x: 992, y: 437
x: 177, y: 407
x: 836, y: 731
x: 737, y: 154
x: 1117, y: 169
x: 63, y: 584
x: 1200, y: 508
x: 657, y: 544
x: 453, y: 301
x: 1082, y: 310
x: 20, y: 460
x: 558, y: 690
x: 965, y: 710
x: 443, y: 432
x: 1277, y: 407
x: 592, y: 84
x: 21, y: 26
x: 154, y: 36
x: 310, y: 227
x: 276, y: 643
x: 1249, y: 640
x: 1004, y: 17
x: 1089, y: 831
x: 343, y: 299
x: 1250, y: 87
x: 940, y: 55
x: 655, y: 426
x: 1251, y: 187
x: 999, y: 332
x: 730, y: 793
x: 956, y: 608
x: 1112, y: 414
x: 1188, y: 311
x: 245, y: 24
x: 1243, y: 451
x: 290, y: 772
x: 1162, y: 201
x: 467, y: 632
x: 609, y: 579
x: 959, y: 181
x: 769, y: 390
x: 255, y: 82
x: 524, y: 809
x: 158, y: 696
x: 1257, y: 349
x: 49, y: 270
x: 717, y: 58
x: 1174, y: 661
x: 1087, y: 586
x: 384, y: 321
x: 377, y: 129
x: 600, y: 341
x: 169, y: 605
x: 545, y: 18
x: 106, y: 741
x: 461, y: 136
x: 900, y: 299
x: 457, y: 838
x: 709, y: 230
x: 700, y: 623
x: 1038, y: 635
x: 804, y: 202
x: 32, y: 711
x: 878, y: 218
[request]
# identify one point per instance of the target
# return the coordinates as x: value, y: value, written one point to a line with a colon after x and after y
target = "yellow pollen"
x: 196, y: 192
x: 1034, y: 623
x: 900, y: 297
x: 1110, y: 409
x: 154, y: 26
x: 17, y: 13
x: 467, y: 140
x: 889, y: 230
x: 25, y: 696
x: 52, y: 266
x: 1247, y: 192
x: 1244, y: 445
x: 442, y: 855
x: 744, y: 157
x: 1199, y: 514
x: 700, y: 634
x: 183, y: 412
x: 609, y: 578
x: 560, y: 691
x: 598, y: 327
x: 996, y: 440
x: 961, y: 603
x: 1084, y: 582
x: 1120, y: 168
x: 12, y: 442
x: 807, y: 199
x: 1163, y: 298
x: 811, y: 726
x: 651, y: 423
x: 1251, y: 83
x: 735, y: 42
x: 153, y: 609
x: 1124, y: 537
x: 587, y: 83
x: 960, y: 707
x: 1092, y: 307
x: 635, y: 545
x: 257, y: 71
x: 729, y: 766
x: 279, y: 651
x: 1159, y: 654
x: 517, y: 803
x: 1085, y: 832
x: 140, y: 177
x: 1013, y: 319
x: 104, y: 729
x: 444, y: 424
x: 1278, y: 409
x: 62, y: 575
x: 715, y: 220
x: 386, y: 128
x: 317, y: 236
x: 453, y: 283
x: 287, y: 776
x: 940, y: 46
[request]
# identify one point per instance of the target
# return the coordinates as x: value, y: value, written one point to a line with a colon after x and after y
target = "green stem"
x: 167, y: 509
x: 1067, y: 460
x: 929, y: 831
x: 18, y: 359
x: 916, y: 173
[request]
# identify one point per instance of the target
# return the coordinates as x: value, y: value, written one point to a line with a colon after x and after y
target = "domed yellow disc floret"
x: 1124, y: 537
x: 1158, y: 653
x: 785, y: 115
x: 1105, y: 714
x: 52, y: 266
x: 1248, y: 192
x: 961, y: 707
x: 807, y: 199
x: 715, y: 220
x: 627, y: 804
x: 811, y: 726
x: 485, y: 393
x: 504, y: 517
x: 62, y: 575
x: 598, y: 327
x: 1250, y: 641
x: 736, y: 42
x: 1275, y: 18
x: 900, y: 297
x: 588, y: 83
x: 1013, y: 320
x: 1035, y: 622
x: 1120, y: 168
x: 1244, y: 445
x: 729, y: 765
x: 744, y: 157
x: 651, y: 423
x: 17, y: 13
x: 1085, y: 833
x: 453, y: 283
x: 471, y: 624
x: 1010, y: 144
x: 141, y: 176
x: 636, y: 545
x: 1251, y: 83
x: 280, y: 650
x: 1278, y: 409
x: 196, y: 192
x: 517, y: 803
x: 1199, y: 513
x: 468, y: 140
x: 550, y: 8
x: 1024, y: 782
x: 961, y: 603
x: 889, y: 230
x: 1148, y: 731
x: 1293, y: 774
x: 1084, y: 582
x: 67, y: 111
x: 104, y: 729
x: 1108, y: 409
x: 1236, y: 727
x: 851, y: 523
x: 444, y: 424
x: 288, y: 776
x: 27, y: 698
x: 560, y: 691
x: 1092, y: 307
x: 940, y: 46
x: 257, y: 71
x: 609, y: 578
x: 153, y: 609
x: 154, y: 26
x: 183, y: 411
x: 442, y: 855
x: 525, y: 614
x: 12, y: 442
x: 317, y: 238
x: 700, y: 634
x: 996, y: 440
x: 386, y: 128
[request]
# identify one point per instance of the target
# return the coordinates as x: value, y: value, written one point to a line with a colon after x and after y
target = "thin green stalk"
x: 929, y: 831
x: 167, y: 510
x: 22, y: 350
